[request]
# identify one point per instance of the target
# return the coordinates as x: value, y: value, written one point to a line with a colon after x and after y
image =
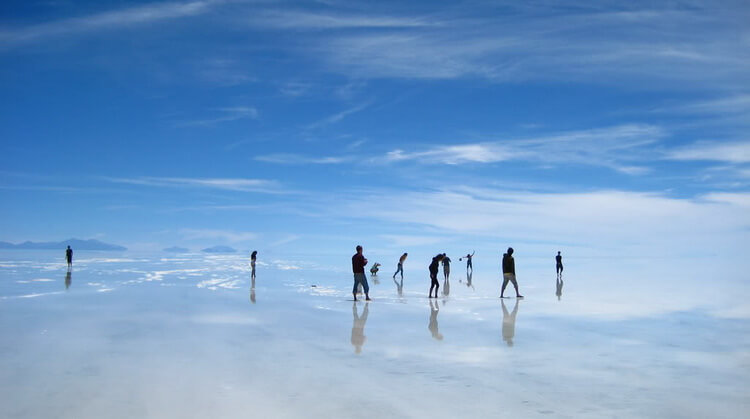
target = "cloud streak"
x: 617, y: 147
x: 105, y: 21
x: 230, y: 184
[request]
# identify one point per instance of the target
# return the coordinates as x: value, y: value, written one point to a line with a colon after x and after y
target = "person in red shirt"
x: 358, y: 267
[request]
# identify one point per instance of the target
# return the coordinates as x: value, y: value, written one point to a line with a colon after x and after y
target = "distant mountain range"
x: 219, y: 249
x: 176, y: 249
x: 75, y: 244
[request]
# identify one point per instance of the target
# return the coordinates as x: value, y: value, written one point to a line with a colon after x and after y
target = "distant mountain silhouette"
x: 176, y: 249
x: 219, y: 249
x: 76, y: 244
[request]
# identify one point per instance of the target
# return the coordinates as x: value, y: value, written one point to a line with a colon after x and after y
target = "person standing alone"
x: 509, y: 272
x: 559, y: 266
x: 400, y: 267
x: 69, y: 257
x: 358, y: 267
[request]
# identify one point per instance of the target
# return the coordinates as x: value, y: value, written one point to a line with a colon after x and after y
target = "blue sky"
x: 598, y: 127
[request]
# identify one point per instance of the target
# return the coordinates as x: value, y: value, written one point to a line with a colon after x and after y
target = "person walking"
x: 358, y: 267
x: 509, y: 272
x: 400, y: 267
x: 468, y: 258
x: 433, y: 274
x: 253, y: 258
x: 559, y: 267
x: 69, y: 257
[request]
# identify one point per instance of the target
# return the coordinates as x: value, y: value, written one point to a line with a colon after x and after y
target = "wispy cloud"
x: 285, y: 158
x: 232, y: 184
x: 338, y: 116
x: 227, y: 235
x: 225, y: 115
x: 619, y: 147
x: 730, y: 152
x: 108, y: 20
x: 300, y: 19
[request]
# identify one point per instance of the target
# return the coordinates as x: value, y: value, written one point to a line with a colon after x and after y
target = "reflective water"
x: 190, y: 336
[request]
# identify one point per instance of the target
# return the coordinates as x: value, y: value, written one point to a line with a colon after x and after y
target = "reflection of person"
x: 559, y: 286
x: 509, y: 272
x: 67, y: 280
x: 434, y: 310
x: 253, y: 258
x: 468, y: 261
x: 69, y: 257
x: 559, y: 267
x: 358, y: 267
x: 433, y: 274
x: 446, y: 266
x: 509, y: 323
x: 252, y: 290
x: 358, y: 327
x: 399, y: 286
x: 400, y: 267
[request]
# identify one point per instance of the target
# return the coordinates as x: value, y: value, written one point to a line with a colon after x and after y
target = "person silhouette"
x: 434, y: 310
x: 358, y: 327
x: 434, y: 284
x: 69, y: 257
x: 253, y: 258
x: 559, y: 265
x: 358, y: 267
x: 558, y: 290
x: 509, y: 273
x: 68, y: 280
x: 446, y: 266
x: 509, y: 323
x: 468, y: 258
x: 400, y: 266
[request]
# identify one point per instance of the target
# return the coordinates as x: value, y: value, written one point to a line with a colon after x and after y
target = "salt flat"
x: 128, y: 335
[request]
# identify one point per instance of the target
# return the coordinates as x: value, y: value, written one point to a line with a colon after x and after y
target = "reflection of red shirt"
x: 358, y: 263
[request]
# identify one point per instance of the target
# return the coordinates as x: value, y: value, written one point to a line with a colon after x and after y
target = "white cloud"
x: 616, y: 147
x: 287, y: 158
x: 232, y: 184
x: 608, y: 220
x: 228, y: 235
x: 338, y: 116
x: 105, y: 21
x: 730, y: 152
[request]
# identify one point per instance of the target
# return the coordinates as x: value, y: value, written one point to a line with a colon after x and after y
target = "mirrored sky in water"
x: 128, y: 335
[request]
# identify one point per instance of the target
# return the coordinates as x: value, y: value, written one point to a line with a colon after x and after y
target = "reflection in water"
x: 558, y: 291
x: 358, y: 327
x: 252, y: 290
x: 468, y: 279
x: 399, y: 286
x: 509, y: 323
x: 68, y: 280
x: 434, y: 310
x: 446, y: 287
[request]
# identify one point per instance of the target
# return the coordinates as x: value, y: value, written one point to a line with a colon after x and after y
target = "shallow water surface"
x: 192, y: 336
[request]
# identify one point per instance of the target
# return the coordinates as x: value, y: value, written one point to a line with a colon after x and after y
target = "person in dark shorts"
x: 468, y: 258
x: 559, y: 266
x: 433, y: 274
x: 509, y: 272
x: 400, y: 267
x: 253, y: 258
x: 358, y: 267
x: 69, y: 257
